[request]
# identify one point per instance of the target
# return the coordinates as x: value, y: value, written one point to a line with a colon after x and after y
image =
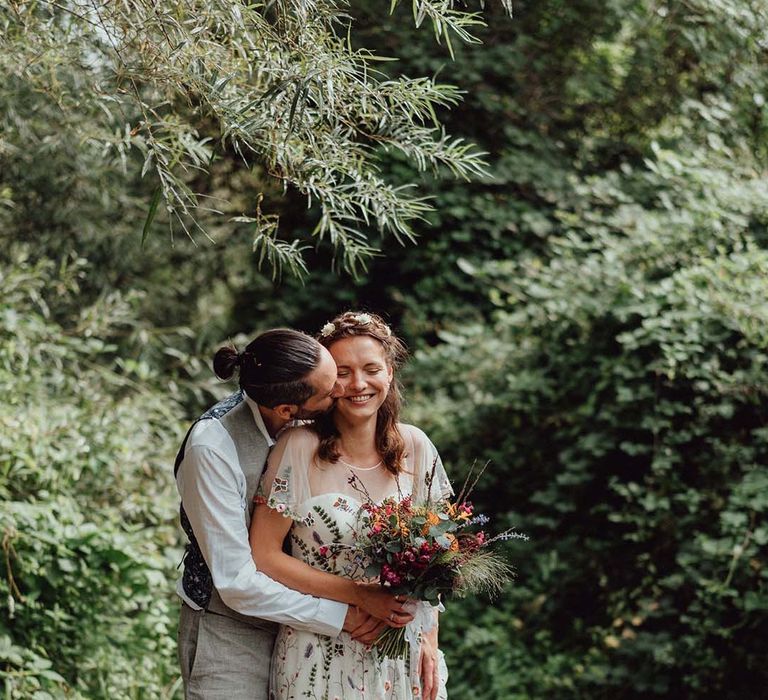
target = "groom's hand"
x: 361, y: 626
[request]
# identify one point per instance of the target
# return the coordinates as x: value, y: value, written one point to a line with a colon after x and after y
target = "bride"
x: 309, y: 495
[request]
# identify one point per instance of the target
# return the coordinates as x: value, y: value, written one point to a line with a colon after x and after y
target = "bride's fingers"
x: 399, y: 619
x: 396, y: 619
x: 383, y: 605
x: 427, y: 675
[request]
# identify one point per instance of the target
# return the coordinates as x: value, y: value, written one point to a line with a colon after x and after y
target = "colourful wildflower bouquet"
x: 428, y: 550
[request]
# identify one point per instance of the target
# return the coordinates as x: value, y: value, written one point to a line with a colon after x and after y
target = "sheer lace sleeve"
x: 285, y: 484
x: 428, y: 470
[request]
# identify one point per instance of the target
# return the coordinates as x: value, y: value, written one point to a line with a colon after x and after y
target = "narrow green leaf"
x: 151, y: 214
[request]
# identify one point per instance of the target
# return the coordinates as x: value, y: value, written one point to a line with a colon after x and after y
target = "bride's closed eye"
x: 373, y: 369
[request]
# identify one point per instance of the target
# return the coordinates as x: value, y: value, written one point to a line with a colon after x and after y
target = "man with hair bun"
x: 230, y: 611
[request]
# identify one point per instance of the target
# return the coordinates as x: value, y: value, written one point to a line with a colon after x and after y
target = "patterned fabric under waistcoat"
x: 197, y: 580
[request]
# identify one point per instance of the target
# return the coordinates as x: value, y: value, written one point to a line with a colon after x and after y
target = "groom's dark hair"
x: 273, y: 368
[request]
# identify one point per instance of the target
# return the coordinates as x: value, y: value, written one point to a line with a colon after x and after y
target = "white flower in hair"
x: 327, y: 329
x: 362, y: 319
x: 387, y: 332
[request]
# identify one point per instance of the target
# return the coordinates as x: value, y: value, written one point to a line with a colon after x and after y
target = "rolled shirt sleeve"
x: 213, y: 495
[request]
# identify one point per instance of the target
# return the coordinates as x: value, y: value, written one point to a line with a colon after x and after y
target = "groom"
x: 230, y: 611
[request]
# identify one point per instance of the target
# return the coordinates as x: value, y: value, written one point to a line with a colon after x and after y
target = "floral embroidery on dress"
x: 280, y: 485
x: 309, y: 666
x: 343, y: 504
x: 280, y: 496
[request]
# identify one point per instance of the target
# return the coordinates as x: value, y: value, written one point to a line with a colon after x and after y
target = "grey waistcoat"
x: 252, y: 449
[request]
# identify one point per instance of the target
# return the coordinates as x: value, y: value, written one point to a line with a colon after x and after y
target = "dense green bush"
x: 620, y: 396
x: 596, y: 308
x: 87, y: 524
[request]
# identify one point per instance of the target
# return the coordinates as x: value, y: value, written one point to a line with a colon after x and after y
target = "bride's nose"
x: 357, y: 382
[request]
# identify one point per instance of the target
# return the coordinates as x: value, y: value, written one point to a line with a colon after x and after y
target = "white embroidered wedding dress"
x: 324, y: 507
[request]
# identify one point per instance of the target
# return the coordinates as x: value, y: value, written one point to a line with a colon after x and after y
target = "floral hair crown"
x: 358, y: 320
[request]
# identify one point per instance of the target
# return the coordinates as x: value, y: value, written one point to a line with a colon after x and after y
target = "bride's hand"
x: 428, y: 668
x: 376, y: 601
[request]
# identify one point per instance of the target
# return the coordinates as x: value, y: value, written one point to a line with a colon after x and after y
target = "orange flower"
x: 432, y: 519
x: 454, y: 542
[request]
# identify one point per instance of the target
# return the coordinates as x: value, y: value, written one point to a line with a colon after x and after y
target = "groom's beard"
x: 303, y: 414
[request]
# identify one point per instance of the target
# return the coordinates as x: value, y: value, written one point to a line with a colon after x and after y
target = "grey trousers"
x: 223, y: 658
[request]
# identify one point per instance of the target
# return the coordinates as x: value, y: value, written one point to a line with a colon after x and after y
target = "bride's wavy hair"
x: 389, y: 442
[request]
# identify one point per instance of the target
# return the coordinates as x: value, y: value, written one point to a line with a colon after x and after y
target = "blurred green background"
x: 591, y: 317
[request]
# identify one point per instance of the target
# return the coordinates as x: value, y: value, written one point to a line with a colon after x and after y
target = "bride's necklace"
x: 362, y: 469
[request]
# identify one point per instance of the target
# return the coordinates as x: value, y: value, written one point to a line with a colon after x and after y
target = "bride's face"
x: 363, y: 374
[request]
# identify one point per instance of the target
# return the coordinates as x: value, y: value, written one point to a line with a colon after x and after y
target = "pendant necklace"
x: 362, y: 469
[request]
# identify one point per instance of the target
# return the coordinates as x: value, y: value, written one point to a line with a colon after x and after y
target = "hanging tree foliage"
x: 167, y: 87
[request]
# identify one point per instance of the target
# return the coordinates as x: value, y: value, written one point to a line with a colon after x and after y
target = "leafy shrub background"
x: 590, y: 317
x: 88, y: 526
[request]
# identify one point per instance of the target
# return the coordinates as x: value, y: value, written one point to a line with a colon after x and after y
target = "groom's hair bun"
x: 224, y: 361
x: 274, y: 367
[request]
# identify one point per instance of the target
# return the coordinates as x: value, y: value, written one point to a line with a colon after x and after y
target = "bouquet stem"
x: 392, y: 644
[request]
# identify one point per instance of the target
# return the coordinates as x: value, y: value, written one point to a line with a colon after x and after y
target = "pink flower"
x: 280, y: 507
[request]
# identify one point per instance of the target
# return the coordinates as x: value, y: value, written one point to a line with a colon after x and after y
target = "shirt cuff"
x: 332, y: 614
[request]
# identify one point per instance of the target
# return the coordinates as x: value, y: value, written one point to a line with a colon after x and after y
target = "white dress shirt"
x: 213, y: 491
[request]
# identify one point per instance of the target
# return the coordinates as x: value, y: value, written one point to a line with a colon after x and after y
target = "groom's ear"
x: 286, y: 411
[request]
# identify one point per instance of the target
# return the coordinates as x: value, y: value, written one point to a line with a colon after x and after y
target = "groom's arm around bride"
x: 230, y: 610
